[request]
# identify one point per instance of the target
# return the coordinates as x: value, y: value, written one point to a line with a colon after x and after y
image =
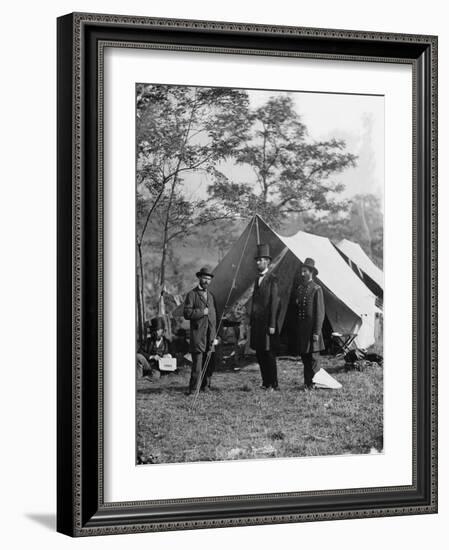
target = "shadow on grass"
x: 162, y: 389
x: 167, y: 390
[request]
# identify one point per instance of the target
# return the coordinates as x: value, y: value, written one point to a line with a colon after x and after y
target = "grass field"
x: 238, y: 420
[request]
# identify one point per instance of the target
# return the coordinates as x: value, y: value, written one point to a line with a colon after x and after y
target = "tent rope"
x: 209, y: 353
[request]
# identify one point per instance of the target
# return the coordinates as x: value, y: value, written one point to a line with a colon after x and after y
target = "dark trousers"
x: 311, y: 362
x: 145, y: 366
x: 198, y: 362
x: 268, y: 368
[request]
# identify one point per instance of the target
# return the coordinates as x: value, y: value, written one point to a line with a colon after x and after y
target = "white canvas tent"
x: 350, y: 305
x: 368, y: 270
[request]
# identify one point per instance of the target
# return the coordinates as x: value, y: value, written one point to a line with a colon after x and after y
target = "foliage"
x: 198, y: 132
x: 293, y: 172
x: 184, y: 129
x: 362, y: 223
x: 179, y: 130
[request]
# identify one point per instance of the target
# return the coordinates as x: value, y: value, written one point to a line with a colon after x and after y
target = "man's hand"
x: 271, y: 330
x: 206, y: 311
x: 316, y: 337
x: 215, y: 342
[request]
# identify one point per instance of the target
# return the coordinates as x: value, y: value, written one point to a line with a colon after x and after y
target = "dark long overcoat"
x: 265, y: 313
x: 309, y: 316
x: 203, y: 328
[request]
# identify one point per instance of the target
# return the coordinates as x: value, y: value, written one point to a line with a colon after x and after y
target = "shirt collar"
x: 201, y: 289
x: 264, y: 272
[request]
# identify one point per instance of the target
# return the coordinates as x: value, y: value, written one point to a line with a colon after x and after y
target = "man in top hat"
x: 200, y: 309
x: 154, y: 347
x: 309, y: 305
x: 264, y: 336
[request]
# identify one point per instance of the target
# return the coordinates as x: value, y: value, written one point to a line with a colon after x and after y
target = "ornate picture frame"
x: 81, y: 507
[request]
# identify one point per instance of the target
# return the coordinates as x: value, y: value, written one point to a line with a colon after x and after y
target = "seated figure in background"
x: 154, y: 347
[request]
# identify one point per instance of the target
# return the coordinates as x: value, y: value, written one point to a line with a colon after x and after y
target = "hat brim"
x: 203, y: 274
x: 257, y: 257
x: 314, y: 270
x: 159, y: 324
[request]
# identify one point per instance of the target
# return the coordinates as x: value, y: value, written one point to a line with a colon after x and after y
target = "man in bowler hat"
x: 309, y: 306
x: 264, y: 318
x: 200, y: 309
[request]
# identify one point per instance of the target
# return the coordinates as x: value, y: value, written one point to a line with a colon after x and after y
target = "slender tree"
x: 181, y: 130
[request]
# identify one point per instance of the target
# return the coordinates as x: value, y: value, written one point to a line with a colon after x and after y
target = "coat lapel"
x: 200, y: 296
x: 263, y: 283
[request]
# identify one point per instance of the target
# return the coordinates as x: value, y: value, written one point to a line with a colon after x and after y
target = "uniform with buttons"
x: 309, y: 308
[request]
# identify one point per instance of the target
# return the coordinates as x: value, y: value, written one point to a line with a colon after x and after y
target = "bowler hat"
x: 310, y: 263
x: 204, y: 271
x: 263, y: 251
x: 157, y: 323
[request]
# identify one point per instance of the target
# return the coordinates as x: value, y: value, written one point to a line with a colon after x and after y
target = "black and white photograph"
x: 223, y: 220
x: 259, y: 273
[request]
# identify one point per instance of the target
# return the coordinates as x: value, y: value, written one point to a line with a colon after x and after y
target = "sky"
x: 357, y: 119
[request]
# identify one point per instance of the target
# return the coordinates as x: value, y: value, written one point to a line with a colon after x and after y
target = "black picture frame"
x: 81, y: 510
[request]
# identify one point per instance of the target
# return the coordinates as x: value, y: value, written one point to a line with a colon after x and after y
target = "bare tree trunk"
x: 141, y: 291
x: 165, y: 236
x: 172, y: 192
x: 163, y: 262
x: 139, y: 312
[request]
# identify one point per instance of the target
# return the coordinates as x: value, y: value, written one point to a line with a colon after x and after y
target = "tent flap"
x: 358, y: 256
x: 350, y: 305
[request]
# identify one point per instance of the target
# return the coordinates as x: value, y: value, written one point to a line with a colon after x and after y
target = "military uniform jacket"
x: 203, y: 328
x: 264, y: 313
x: 309, y: 308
